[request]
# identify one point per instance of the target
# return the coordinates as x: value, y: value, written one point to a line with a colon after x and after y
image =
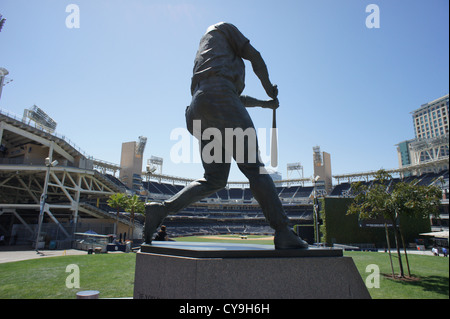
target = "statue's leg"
x: 215, y: 179
x: 264, y: 191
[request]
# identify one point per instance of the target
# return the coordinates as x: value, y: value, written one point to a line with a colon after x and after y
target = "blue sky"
x: 126, y: 72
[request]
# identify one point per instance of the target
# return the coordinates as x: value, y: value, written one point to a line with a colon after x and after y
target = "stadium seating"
x: 234, y: 210
x: 344, y: 189
x: 236, y: 193
x: 341, y: 189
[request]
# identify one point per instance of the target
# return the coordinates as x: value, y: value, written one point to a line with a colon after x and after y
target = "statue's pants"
x: 217, y: 105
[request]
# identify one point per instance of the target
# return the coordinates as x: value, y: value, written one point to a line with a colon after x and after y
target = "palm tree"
x: 134, y: 205
x: 117, y: 201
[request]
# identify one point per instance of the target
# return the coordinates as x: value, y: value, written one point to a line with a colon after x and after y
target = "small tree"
x: 134, y: 205
x: 412, y: 200
x: 381, y: 199
x: 117, y: 201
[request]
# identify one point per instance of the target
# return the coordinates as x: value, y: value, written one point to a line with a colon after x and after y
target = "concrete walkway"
x: 21, y: 253
x: 7, y: 256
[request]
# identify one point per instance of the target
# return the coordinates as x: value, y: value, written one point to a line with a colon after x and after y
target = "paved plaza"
x: 9, y: 255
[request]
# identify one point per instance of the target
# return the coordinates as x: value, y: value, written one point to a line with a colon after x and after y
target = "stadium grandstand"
x: 230, y: 210
x: 34, y: 161
x: 234, y: 210
x: 77, y: 188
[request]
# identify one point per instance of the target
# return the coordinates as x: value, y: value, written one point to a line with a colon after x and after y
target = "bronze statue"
x: 217, y: 85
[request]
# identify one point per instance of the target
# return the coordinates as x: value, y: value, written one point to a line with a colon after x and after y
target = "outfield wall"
x: 340, y: 228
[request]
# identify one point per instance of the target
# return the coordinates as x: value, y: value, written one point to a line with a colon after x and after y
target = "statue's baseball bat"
x: 274, y: 143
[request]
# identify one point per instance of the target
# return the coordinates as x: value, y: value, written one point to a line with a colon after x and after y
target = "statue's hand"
x: 272, y: 104
x: 271, y: 90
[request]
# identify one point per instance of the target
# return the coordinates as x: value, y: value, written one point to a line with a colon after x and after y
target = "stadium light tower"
x: 141, y: 145
x: 3, y: 79
x: 154, y: 164
x: 40, y: 118
x: 294, y: 167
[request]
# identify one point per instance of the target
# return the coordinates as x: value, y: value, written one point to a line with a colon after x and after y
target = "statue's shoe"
x: 287, y: 239
x: 154, y: 216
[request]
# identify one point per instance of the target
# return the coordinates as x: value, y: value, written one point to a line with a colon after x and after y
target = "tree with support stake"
x: 392, y: 201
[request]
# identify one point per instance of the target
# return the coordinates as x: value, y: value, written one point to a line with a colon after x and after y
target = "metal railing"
x: 72, y: 144
x: 38, y: 127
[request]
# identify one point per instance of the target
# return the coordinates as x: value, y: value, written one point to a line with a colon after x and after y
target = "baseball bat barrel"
x: 274, y: 141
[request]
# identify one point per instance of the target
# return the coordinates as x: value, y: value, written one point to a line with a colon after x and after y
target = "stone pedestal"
x: 171, y: 270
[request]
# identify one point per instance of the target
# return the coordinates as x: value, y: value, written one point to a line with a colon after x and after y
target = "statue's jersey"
x: 220, y: 55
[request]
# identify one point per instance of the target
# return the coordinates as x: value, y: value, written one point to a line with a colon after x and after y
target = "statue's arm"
x: 259, y: 67
x: 249, y: 101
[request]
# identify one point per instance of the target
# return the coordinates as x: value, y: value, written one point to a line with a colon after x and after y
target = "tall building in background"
x: 404, y: 158
x: 131, y: 163
x: 322, y: 168
x: 431, y: 129
x: 431, y: 119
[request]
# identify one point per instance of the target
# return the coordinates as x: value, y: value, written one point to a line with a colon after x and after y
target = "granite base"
x: 170, y: 275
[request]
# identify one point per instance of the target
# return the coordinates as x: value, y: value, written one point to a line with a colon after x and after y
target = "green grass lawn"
x: 113, y: 275
x: 429, y: 276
